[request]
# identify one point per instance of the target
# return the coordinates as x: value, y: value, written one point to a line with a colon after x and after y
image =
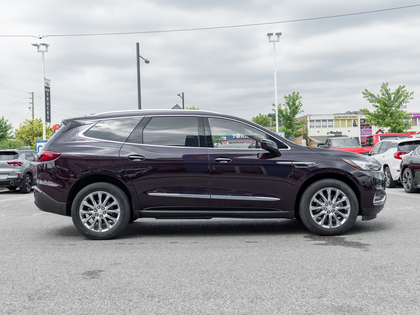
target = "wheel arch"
x: 318, y: 177
x: 83, y: 182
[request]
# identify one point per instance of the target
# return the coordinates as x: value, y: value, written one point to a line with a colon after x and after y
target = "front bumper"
x: 377, y: 199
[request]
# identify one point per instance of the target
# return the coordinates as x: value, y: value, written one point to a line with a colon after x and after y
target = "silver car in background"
x: 18, y: 169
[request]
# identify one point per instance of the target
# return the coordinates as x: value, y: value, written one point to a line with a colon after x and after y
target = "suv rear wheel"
x: 407, y: 181
x: 26, y: 184
x: 329, y: 207
x: 100, y: 211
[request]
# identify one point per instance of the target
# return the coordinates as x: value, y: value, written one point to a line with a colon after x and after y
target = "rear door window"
x: 172, y: 131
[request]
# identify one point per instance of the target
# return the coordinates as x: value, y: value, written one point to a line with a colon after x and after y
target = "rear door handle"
x: 136, y: 158
x: 223, y: 160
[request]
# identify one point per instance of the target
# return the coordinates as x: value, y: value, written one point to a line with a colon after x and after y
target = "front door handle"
x: 223, y: 160
x: 136, y: 158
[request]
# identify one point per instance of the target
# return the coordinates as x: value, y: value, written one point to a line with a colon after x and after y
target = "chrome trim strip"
x: 217, y: 197
x: 304, y: 164
x: 284, y: 163
x: 179, y: 195
x: 254, y: 198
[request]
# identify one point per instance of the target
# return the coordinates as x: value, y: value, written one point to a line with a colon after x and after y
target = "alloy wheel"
x: 99, y: 211
x: 407, y: 181
x: 330, y: 207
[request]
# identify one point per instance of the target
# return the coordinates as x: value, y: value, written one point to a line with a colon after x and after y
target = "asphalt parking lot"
x: 218, y: 266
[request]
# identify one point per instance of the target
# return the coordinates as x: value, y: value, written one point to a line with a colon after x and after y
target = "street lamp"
x: 275, y: 38
x: 43, y: 48
x: 182, y: 96
x: 138, y: 72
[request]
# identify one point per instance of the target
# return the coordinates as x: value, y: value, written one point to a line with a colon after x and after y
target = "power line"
x: 218, y: 27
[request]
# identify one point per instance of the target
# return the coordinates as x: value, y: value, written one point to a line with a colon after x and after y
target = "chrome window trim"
x: 98, y: 119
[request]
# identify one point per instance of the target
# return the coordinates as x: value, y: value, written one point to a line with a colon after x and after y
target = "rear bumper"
x: 11, y: 181
x: 47, y: 204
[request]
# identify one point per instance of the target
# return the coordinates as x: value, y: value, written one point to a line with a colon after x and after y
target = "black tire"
x: 26, y: 184
x: 407, y: 180
x: 100, y: 211
x: 329, y: 217
x: 389, y: 182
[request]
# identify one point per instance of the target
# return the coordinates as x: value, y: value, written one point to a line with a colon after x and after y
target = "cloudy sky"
x: 216, y: 52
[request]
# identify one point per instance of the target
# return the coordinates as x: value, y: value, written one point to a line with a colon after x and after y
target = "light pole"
x: 138, y: 72
x: 182, y: 96
x: 274, y: 40
x: 43, y: 48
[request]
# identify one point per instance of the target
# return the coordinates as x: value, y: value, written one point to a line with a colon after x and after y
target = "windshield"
x: 344, y: 143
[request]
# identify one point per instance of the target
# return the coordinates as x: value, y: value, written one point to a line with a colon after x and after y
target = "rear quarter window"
x: 113, y: 129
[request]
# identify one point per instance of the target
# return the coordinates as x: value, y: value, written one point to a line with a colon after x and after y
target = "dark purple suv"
x: 109, y: 169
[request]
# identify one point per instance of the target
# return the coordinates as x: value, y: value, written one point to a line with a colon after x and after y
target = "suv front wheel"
x: 100, y: 211
x: 329, y: 207
x: 389, y: 182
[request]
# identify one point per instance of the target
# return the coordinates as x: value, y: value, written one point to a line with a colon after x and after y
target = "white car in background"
x: 390, y: 153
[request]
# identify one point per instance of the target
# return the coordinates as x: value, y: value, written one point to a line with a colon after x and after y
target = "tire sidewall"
x: 412, y: 189
x: 390, y: 181
x: 124, y: 211
x: 24, y: 189
x: 305, y: 213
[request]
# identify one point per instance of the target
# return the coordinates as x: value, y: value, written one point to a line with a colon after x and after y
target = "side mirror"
x: 270, y: 146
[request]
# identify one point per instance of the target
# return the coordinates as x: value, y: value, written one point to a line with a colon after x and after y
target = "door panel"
x: 168, y: 176
x: 165, y: 161
x: 253, y: 178
x: 242, y: 174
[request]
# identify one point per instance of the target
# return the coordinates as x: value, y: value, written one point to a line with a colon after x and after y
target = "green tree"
x: 389, y: 108
x: 5, y: 129
x: 287, y: 113
x: 192, y: 108
x: 11, y: 144
x: 262, y: 120
x: 31, y: 130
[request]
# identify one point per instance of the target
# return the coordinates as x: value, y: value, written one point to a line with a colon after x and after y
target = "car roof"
x: 137, y: 112
x: 13, y: 150
x: 400, y: 140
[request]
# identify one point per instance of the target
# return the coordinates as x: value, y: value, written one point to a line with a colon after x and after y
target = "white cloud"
x: 329, y: 61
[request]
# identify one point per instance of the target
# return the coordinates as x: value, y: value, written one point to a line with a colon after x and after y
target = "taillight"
x: 45, y: 156
x: 15, y: 163
x: 398, y: 154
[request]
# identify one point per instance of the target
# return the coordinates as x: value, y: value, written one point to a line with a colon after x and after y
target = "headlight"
x: 365, y: 164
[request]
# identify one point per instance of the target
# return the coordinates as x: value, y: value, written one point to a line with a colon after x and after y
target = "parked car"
x: 390, y: 153
x: 18, y: 169
x: 410, y: 171
x: 109, y: 169
x: 373, y: 140
x: 349, y: 144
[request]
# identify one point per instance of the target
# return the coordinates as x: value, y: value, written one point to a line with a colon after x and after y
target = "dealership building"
x: 350, y: 124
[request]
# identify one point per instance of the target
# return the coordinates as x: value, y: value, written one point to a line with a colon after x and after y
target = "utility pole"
x: 32, y: 103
